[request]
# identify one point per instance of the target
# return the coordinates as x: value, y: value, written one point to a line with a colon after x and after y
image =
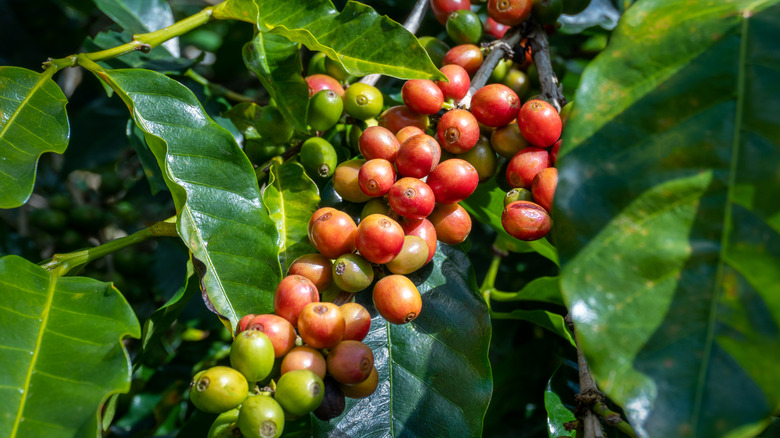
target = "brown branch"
x: 540, y: 48
x: 498, y: 50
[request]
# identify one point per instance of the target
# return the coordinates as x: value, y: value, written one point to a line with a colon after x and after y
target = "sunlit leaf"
x: 559, y: 395
x: 141, y: 16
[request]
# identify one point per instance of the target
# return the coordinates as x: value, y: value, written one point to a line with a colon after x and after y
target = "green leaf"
x: 362, y: 40
x: 434, y: 374
x: 544, y: 289
x: 63, y: 356
x: 221, y: 218
x: 152, y: 171
x: 667, y: 217
x: 547, y: 320
x: 291, y: 198
x: 562, y: 387
x: 276, y: 61
x: 158, y: 59
x: 486, y: 204
x: 32, y: 121
x: 141, y: 16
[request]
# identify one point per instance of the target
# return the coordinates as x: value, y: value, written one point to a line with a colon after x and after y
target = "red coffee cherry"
x: 411, y: 198
x: 397, y: 117
x: 379, y: 238
x: 304, y: 358
x: 495, y: 29
x: 507, y: 140
x: 279, y: 331
x: 321, y: 82
x: 350, y: 362
x: 293, y: 293
x: 495, y: 105
x: 526, y: 220
x: 357, y: 321
x: 424, y: 229
x: 346, y: 182
x: 376, y: 177
x: 453, y: 180
x: 418, y: 156
x: 539, y: 123
x: 317, y: 215
x: 524, y: 166
x: 422, y: 96
x: 467, y: 56
x: 459, y: 82
x: 397, y: 299
x: 554, y: 152
x: 543, y: 187
x: 509, y: 12
x: 321, y: 325
x: 315, y: 267
x: 452, y: 223
x: 443, y: 8
x: 333, y: 234
x: 242, y: 323
x: 378, y: 142
x: 458, y: 131
x: 364, y: 388
x: 407, y: 132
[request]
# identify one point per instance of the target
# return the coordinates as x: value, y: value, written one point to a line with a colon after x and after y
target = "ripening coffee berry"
x: 543, y: 187
x: 261, y: 417
x: 352, y: 273
x: 364, y: 388
x: 243, y: 322
x: 397, y: 299
x: 319, y: 212
x: 459, y: 82
x: 315, y: 267
x: 525, y: 220
x: 357, y: 321
x: 413, y: 256
x: 333, y: 403
x: 554, y: 152
x: 443, y: 8
x: 524, y: 166
x: 467, y: 56
x: 252, y: 354
x: 424, y: 229
x: 495, y: 29
x: 518, y: 194
x: 379, y: 239
x: 453, y: 180
x: 418, y: 156
x: 464, y: 27
x: 376, y: 177
x: 299, y: 392
x: 304, y: 358
x: 411, y: 198
x: 346, y: 181
x: 325, y: 109
x: 318, y: 157
x: 422, y: 96
x: 350, y: 362
x: 218, y: 389
x: 321, y: 325
x: 405, y: 133
x: 226, y: 425
x: 293, y: 293
x: 483, y: 158
x: 495, y: 105
x: 539, y: 123
x: 509, y: 12
x: 458, y: 131
x: 375, y: 206
x: 452, y: 223
x: 507, y: 140
x: 279, y: 330
x: 363, y: 101
x: 378, y: 142
x: 319, y: 82
x: 397, y: 117
x: 333, y: 234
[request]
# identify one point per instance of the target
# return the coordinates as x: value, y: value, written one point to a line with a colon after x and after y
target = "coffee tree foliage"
x: 130, y: 253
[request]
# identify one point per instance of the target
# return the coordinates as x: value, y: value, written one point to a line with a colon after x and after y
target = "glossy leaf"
x: 276, y: 61
x: 291, y: 198
x: 221, y: 218
x: 486, y: 204
x: 152, y: 171
x: 559, y: 395
x: 434, y: 374
x: 158, y: 59
x: 141, y: 16
x: 545, y: 319
x: 61, y: 339
x: 362, y: 40
x: 544, y: 289
x: 667, y: 217
x: 32, y: 121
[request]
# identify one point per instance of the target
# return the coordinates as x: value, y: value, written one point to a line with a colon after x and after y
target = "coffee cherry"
x: 458, y: 131
x: 252, y: 354
x: 273, y: 126
x: 299, y: 392
x: 397, y: 117
x: 418, y: 156
x: 452, y: 223
x: 315, y: 267
x: 525, y: 220
x: 279, y: 330
x: 554, y: 152
x: 524, y: 166
x: 376, y: 177
x: 304, y: 358
x: 539, y: 123
x: 226, y: 425
x: 483, y: 158
x: 424, y: 229
x: 243, y: 322
x: 543, y: 187
x: 318, y: 157
x: 495, y: 29
x: 333, y: 402
x: 378, y: 142
x: 364, y: 388
x: 453, y: 181
x: 319, y: 82
x: 321, y: 325
x: 357, y: 321
x: 459, y: 82
x: 261, y: 417
x: 218, y: 389
x: 350, y: 362
x: 375, y: 206
x: 495, y: 105
x: 316, y: 64
x: 411, y: 198
x: 352, y: 273
x: 379, y: 239
x: 333, y: 234
x: 464, y: 27
x: 518, y: 194
x: 319, y: 212
x: 443, y: 8
x: 363, y: 101
x: 518, y: 81
x: 413, y: 256
x: 409, y: 131
x: 336, y: 70
x: 435, y: 48
x: 467, y: 56
x: 507, y: 140
x: 292, y: 294
x: 397, y: 299
x: 346, y: 181
x: 422, y: 96
x: 499, y: 73
x: 509, y: 12
x: 325, y: 109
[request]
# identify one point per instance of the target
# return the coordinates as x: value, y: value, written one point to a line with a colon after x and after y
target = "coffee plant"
x: 441, y: 218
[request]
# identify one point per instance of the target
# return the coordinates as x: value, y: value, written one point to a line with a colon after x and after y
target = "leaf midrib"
x: 43, y: 77
x: 41, y: 330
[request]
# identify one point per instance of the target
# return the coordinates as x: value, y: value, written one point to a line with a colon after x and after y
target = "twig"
x: 540, y: 48
x: 411, y: 24
x: 497, y: 53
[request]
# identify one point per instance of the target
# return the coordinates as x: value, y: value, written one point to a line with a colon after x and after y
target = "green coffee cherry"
x: 218, y: 389
x: 436, y: 48
x: 547, y: 11
x: 299, y: 391
x: 252, y: 354
x: 412, y: 257
x: 273, y: 127
x: 336, y: 70
x: 518, y: 194
x: 363, y: 101
x: 352, y: 273
x: 317, y: 64
x: 318, y: 157
x: 225, y: 426
x: 261, y: 417
x: 464, y: 27
x: 483, y: 158
x: 325, y: 110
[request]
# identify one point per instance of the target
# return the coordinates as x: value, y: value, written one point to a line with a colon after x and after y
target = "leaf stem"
x: 60, y: 264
